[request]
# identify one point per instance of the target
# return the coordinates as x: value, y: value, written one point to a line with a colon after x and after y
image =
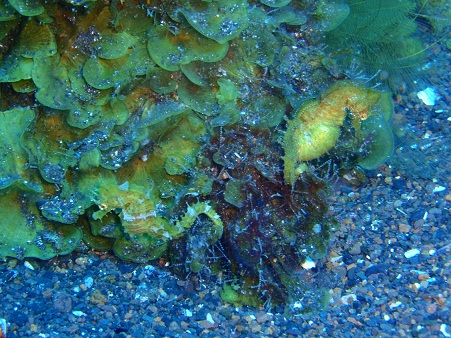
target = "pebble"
x: 438, y: 188
x: 356, y: 249
x: 205, y: 324
x: 397, y: 203
x: 62, y: 302
x: 28, y: 265
x: 308, y: 264
x: 174, y: 326
x: 88, y: 282
x: 395, y: 305
x: 3, y: 328
x: 411, y: 253
x: 444, y: 330
x: 348, y: 299
x: 431, y: 308
x: 376, y: 268
x: 210, y: 318
x: 263, y: 317
x: 404, y: 228
x: 187, y: 313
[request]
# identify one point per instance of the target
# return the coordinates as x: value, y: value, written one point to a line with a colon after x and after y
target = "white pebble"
x: 308, y: 264
x: 428, y: 96
x: 187, y: 313
x: 438, y: 188
x: 417, y: 286
x: 210, y: 318
x: 28, y: 265
x: 3, y: 326
x: 443, y: 330
x: 395, y: 305
x: 346, y: 299
x: 411, y: 253
x: 78, y: 313
x: 317, y: 228
x: 89, y: 281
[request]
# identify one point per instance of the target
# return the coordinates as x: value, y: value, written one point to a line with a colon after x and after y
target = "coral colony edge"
x: 200, y: 132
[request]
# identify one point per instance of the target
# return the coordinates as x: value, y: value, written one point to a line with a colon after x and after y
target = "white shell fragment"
x: 28, y: 265
x: 443, y: 330
x: 348, y: 299
x: 428, y: 96
x: 411, y: 253
x: 395, y: 305
x: 187, y: 313
x: 308, y: 264
x: 3, y: 326
x: 210, y: 318
x: 438, y: 188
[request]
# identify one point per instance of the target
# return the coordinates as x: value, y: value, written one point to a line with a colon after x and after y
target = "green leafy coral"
x: 14, y: 161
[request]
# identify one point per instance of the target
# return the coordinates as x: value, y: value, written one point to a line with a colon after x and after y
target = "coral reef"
x: 154, y: 129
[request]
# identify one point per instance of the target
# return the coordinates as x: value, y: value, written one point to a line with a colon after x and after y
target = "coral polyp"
x: 317, y: 126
